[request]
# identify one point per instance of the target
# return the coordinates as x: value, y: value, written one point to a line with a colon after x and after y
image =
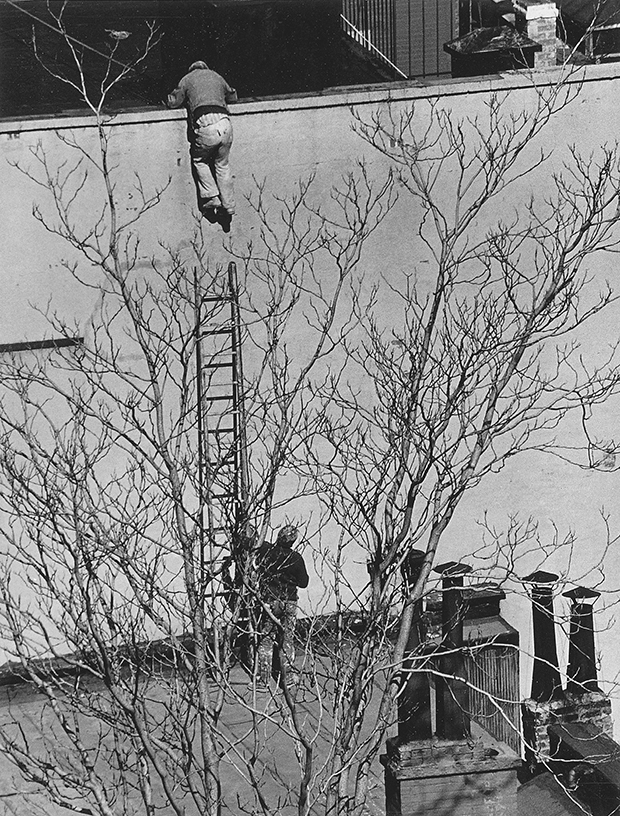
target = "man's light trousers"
x: 213, y: 136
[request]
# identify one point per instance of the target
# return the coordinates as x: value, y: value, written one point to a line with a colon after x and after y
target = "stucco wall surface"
x: 278, y: 142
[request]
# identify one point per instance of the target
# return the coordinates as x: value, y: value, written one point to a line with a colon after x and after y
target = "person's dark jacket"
x: 281, y: 571
x: 202, y: 88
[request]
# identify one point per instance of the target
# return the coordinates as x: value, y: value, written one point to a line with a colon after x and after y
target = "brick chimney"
x: 461, y: 770
x: 581, y: 748
x: 582, y: 702
x: 537, y: 19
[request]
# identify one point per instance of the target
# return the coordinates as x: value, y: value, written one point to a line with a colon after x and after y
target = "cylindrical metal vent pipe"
x: 546, y: 681
x: 582, y: 675
x: 452, y: 692
x: 414, y: 701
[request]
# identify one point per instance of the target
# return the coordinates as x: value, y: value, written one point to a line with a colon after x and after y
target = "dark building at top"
x: 285, y: 47
x: 263, y: 48
x: 409, y: 36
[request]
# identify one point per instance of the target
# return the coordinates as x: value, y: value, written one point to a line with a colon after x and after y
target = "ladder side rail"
x: 199, y: 424
x: 239, y: 413
x: 207, y: 467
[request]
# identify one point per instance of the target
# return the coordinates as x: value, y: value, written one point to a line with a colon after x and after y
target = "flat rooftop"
x: 262, y: 47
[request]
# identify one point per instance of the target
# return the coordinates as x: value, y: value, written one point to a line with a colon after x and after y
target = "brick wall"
x: 470, y: 794
x: 593, y: 708
x: 537, y: 19
x: 474, y: 777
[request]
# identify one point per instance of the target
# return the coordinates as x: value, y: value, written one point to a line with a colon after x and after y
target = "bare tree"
x: 115, y: 596
x: 112, y: 595
x: 476, y: 360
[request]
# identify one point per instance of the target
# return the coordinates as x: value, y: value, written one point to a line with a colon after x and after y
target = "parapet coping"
x: 344, y: 97
x: 444, y: 768
x: 487, y: 761
x: 435, y: 757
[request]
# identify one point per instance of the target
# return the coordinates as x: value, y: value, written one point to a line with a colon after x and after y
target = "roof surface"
x: 545, y: 796
x: 262, y: 47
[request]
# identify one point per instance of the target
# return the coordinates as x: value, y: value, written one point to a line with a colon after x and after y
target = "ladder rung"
x: 218, y: 365
x: 222, y: 397
x: 210, y: 332
x: 218, y: 299
x: 220, y: 430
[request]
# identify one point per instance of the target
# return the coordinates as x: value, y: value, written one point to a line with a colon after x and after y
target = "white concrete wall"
x: 280, y: 141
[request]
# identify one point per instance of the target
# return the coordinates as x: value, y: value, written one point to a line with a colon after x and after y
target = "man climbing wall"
x: 206, y: 95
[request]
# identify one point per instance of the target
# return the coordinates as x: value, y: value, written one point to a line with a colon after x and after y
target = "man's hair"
x: 196, y: 65
x: 287, y: 535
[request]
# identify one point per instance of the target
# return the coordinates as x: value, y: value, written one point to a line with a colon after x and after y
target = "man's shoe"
x: 210, y: 203
x: 211, y: 214
x: 209, y: 207
x: 225, y: 219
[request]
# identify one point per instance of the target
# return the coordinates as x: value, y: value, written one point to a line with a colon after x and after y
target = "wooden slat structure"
x: 405, y: 35
x: 493, y: 672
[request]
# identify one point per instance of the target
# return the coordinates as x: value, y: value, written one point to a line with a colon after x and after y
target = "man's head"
x: 287, y: 535
x: 199, y: 65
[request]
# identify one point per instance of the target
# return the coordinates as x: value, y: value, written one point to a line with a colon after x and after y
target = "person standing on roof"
x: 281, y: 571
x: 206, y: 95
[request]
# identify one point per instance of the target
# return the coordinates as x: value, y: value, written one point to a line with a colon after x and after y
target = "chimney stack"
x: 583, y: 703
x: 581, y: 655
x: 546, y: 681
x: 456, y: 771
x: 414, y: 702
x: 452, y: 694
x: 537, y: 19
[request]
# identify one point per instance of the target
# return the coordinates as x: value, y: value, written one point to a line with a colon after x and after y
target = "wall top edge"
x: 335, y: 97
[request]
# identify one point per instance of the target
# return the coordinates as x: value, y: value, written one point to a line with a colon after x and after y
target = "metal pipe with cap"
x: 414, y: 700
x: 546, y: 681
x: 582, y: 675
x: 452, y: 692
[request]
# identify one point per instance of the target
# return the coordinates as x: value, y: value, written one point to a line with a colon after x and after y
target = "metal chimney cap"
x: 582, y: 593
x: 540, y: 577
x: 414, y: 555
x: 452, y: 569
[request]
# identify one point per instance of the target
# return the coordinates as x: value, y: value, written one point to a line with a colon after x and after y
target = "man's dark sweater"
x: 281, y: 571
x: 202, y: 89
